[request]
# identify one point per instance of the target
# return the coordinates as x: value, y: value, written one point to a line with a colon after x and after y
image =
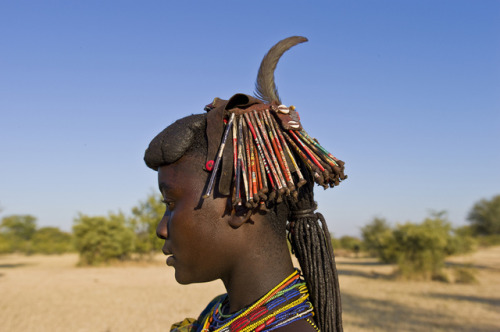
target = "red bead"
x: 257, y: 313
x: 270, y: 320
x: 260, y: 327
x: 239, y: 324
x: 209, y: 165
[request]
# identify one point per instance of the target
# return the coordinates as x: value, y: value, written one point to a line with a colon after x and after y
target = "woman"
x: 238, y: 181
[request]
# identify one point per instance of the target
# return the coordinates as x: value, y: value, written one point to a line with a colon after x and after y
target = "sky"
x: 407, y: 93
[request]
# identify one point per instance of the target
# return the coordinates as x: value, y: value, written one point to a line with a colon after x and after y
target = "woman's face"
x: 198, y: 240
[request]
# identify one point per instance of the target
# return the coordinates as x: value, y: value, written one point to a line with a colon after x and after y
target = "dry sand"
x: 49, y: 293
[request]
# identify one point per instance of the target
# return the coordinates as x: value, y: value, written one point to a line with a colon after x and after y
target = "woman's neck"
x: 256, y: 275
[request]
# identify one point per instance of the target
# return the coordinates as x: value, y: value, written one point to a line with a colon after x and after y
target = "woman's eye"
x: 169, y: 205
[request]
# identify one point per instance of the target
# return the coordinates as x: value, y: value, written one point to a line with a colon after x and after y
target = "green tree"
x: 484, y: 216
x: 422, y: 248
x: 51, y: 240
x: 17, y: 231
x: 335, y: 242
x: 20, y: 226
x: 350, y: 243
x: 5, y: 244
x: 101, y: 239
x: 378, y: 240
x: 145, y: 218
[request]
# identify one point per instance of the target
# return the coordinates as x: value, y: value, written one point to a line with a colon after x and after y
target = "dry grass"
x: 48, y: 293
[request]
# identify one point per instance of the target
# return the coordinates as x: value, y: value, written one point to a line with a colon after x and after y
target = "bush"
x: 461, y: 242
x: 102, y: 239
x: 51, y: 240
x: 17, y: 231
x: 5, y: 244
x: 378, y: 240
x: 145, y: 218
x: 418, y: 249
x: 350, y: 243
x: 465, y: 274
x: 485, y: 216
x: 335, y: 242
x: 421, y: 249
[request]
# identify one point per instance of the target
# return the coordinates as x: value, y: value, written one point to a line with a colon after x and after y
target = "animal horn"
x: 265, y: 88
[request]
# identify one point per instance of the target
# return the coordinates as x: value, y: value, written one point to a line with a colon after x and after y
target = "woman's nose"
x: 162, y: 229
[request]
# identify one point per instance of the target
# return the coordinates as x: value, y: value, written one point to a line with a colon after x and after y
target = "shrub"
x: 465, y: 274
x: 378, y: 240
x: 102, y: 239
x: 485, y: 216
x: 17, y: 231
x: 335, y: 242
x: 51, y: 240
x: 5, y: 244
x: 350, y: 243
x: 145, y: 218
x: 422, y: 248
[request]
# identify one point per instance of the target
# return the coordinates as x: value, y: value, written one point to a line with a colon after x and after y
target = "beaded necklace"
x: 282, y: 305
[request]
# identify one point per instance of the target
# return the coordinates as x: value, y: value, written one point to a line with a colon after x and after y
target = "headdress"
x: 255, y: 145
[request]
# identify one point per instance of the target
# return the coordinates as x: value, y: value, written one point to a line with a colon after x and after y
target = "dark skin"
x: 205, y: 243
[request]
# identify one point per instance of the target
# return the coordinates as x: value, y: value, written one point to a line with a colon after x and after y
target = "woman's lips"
x: 170, y: 260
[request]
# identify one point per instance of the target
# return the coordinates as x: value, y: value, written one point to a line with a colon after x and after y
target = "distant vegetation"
x: 97, y: 239
x: 19, y: 233
x: 418, y: 249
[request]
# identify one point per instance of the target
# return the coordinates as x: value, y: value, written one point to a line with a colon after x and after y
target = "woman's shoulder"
x: 191, y: 324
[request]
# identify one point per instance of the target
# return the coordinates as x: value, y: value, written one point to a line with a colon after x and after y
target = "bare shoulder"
x: 298, y: 326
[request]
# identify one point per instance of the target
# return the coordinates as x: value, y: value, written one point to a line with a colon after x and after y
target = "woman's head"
x: 234, y: 176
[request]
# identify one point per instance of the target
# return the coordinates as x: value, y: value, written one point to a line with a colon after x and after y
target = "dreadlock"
x: 311, y: 243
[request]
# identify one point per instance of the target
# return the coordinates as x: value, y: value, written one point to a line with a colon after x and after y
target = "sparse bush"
x: 17, y: 231
x: 422, y: 248
x: 418, y: 249
x: 350, y: 243
x: 51, y: 240
x: 102, y: 239
x: 378, y: 240
x: 465, y: 274
x: 5, y: 244
x: 145, y: 218
x: 461, y: 242
x: 488, y: 240
x: 485, y: 216
x: 335, y: 242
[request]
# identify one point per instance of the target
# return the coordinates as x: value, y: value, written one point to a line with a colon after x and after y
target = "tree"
x: 422, y: 248
x: 485, y: 216
x: 350, y: 243
x: 17, y: 231
x: 418, y: 249
x: 51, y: 240
x: 21, y: 226
x: 378, y: 240
x: 101, y: 239
x: 145, y: 218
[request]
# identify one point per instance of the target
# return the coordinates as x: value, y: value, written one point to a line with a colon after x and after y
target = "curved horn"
x: 265, y: 88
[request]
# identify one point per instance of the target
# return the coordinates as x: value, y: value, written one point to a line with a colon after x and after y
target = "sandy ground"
x: 49, y: 293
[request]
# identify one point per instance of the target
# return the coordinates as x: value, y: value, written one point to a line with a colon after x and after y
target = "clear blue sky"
x: 406, y: 92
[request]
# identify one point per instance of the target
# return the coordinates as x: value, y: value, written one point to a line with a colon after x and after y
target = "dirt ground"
x: 49, y: 293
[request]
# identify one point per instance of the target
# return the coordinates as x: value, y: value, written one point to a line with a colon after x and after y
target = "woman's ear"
x: 239, y: 216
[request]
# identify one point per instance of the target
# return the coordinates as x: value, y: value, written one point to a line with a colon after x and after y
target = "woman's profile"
x: 237, y: 182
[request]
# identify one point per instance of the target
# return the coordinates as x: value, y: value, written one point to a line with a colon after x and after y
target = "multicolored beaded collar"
x: 284, y: 304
